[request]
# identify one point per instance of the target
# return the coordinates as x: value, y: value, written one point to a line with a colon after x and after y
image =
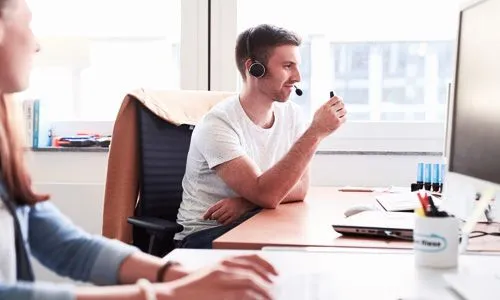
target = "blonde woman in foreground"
x: 32, y: 226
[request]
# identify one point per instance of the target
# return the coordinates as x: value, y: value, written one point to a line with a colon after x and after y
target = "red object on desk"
x: 424, y: 200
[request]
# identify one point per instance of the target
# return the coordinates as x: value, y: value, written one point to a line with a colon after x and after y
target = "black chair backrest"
x: 163, y: 149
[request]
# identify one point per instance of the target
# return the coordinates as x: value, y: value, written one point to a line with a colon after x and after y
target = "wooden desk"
x: 309, y: 224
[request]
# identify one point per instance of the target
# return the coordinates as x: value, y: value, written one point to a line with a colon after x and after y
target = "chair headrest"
x: 179, y: 106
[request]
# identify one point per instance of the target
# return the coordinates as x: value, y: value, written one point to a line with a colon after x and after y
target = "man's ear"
x: 248, y: 63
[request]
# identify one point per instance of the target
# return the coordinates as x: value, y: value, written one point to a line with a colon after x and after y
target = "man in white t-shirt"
x: 252, y: 151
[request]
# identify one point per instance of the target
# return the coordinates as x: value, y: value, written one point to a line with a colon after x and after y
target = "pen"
x: 429, y: 207
x: 355, y: 189
x: 434, y: 209
x: 423, y: 201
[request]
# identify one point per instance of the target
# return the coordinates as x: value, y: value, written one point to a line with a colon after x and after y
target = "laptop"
x: 378, y: 223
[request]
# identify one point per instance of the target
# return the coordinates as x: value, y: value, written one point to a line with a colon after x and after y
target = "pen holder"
x: 435, y: 241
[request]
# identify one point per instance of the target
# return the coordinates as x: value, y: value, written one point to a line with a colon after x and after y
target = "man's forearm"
x: 299, y: 191
x: 280, y: 180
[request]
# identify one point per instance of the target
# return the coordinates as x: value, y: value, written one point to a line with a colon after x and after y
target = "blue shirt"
x: 59, y: 245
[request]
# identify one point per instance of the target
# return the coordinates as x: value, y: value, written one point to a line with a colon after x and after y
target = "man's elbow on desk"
x: 291, y: 200
x: 297, y: 194
x: 265, y: 201
x: 299, y: 191
x: 271, y: 198
x: 272, y: 202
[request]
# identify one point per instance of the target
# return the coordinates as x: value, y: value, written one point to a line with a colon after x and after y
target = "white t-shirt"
x: 225, y: 133
x: 7, y: 246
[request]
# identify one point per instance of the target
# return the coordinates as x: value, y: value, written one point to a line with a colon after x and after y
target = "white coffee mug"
x: 435, y: 241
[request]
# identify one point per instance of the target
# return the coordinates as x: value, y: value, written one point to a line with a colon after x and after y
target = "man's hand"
x: 329, y: 117
x: 228, y: 210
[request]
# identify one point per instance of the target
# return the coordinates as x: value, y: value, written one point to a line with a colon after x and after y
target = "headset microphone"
x: 298, y: 91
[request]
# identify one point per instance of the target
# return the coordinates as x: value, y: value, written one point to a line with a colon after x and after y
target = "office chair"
x: 163, y: 149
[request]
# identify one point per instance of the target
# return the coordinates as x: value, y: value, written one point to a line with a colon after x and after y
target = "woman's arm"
x: 48, y: 291
x: 127, y: 292
x: 142, y: 265
x: 243, y: 277
x: 69, y: 251
x: 39, y: 291
x: 64, y: 248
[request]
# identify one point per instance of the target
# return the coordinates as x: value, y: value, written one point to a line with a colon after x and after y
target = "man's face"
x: 282, y: 72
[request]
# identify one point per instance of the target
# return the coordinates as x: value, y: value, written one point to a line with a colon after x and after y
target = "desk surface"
x: 309, y: 224
x: 350, y: 274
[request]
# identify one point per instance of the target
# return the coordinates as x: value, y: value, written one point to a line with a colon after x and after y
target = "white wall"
x: 76, y: 180
x: 366, y: 170
x: 327, y: 169
x: 76, y: 184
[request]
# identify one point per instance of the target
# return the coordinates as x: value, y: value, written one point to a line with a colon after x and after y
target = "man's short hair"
x: 258, y: 42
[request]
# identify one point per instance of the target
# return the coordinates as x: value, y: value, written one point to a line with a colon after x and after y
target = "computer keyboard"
x: 306, y: 286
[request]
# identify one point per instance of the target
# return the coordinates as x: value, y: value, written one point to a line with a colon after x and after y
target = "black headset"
x: 256, y: 69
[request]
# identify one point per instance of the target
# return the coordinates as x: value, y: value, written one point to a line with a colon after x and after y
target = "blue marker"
x: 427, y: 176
x: 420, y: 174
x: 441, y: 177
x: 436, y: 177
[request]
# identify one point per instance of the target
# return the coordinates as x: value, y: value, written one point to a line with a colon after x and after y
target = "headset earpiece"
x: 257, y: 69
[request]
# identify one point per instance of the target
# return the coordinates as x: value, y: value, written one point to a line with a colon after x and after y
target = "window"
x: 98, y: 50
x: 389, y: 66
x: 351, y: 61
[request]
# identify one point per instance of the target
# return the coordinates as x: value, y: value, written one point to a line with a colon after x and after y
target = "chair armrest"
x: 155, y: 224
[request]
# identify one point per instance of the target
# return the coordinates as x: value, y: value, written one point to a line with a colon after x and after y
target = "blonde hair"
x: 12, y: 161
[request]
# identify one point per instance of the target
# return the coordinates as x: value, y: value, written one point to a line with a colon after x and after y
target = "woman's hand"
x: 175, y: 272
x: 239, y: 278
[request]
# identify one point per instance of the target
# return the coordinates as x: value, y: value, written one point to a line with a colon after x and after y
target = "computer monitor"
x: 473, y: 134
